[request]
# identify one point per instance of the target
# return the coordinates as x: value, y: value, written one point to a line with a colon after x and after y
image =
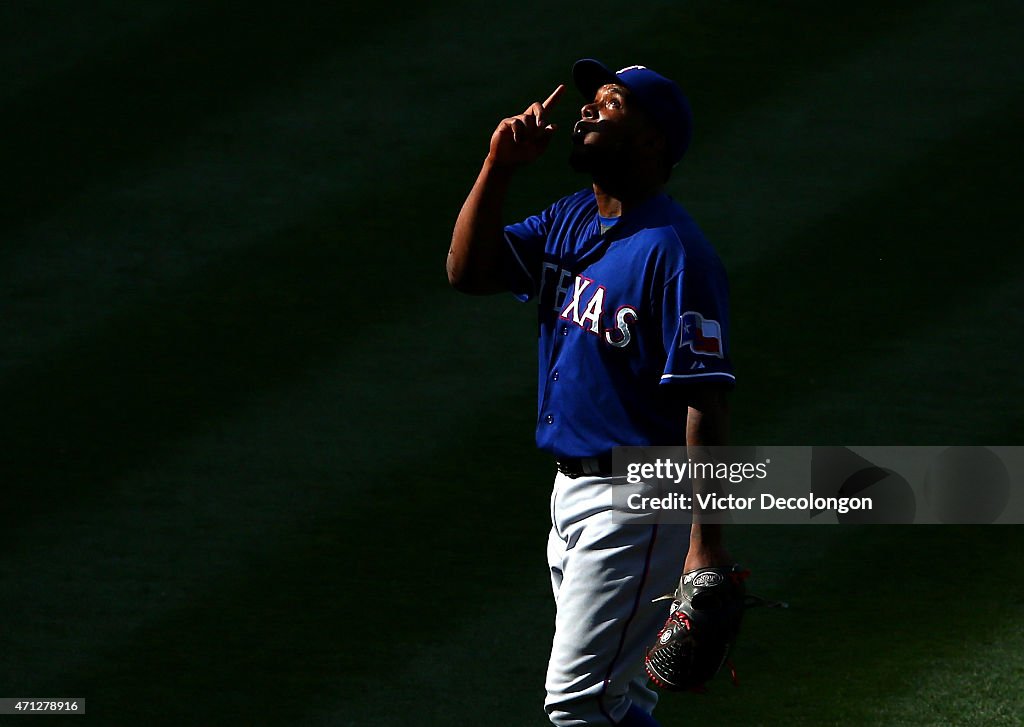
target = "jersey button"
x: 554, y: 376
x: 549, y: 419
x: 565, y: 330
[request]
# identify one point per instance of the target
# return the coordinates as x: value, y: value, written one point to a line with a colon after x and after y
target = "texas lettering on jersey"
x: 580, y: 300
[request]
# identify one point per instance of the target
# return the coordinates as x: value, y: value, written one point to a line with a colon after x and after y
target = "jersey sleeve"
x: 695, y: 326
x: 523, y: 253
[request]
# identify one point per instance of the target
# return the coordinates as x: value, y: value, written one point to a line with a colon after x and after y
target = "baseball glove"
x: 707, y: 608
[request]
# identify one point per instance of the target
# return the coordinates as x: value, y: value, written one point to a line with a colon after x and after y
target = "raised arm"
x: 473, y: 259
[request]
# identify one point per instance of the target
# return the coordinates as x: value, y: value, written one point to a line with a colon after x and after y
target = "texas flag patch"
x: 702, y: 335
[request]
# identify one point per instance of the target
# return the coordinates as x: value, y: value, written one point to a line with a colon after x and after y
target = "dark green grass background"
x: 260, y: 465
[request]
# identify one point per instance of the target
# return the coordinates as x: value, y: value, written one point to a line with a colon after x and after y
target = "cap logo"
x: 630, y: 68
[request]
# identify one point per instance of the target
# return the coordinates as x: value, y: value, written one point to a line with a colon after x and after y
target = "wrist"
x: 707, y: 557
x: 494, y: 167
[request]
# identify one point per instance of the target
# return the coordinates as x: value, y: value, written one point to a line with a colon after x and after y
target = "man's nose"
x: 589, y: 111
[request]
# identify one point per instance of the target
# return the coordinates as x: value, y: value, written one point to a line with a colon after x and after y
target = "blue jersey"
x: 622, y: 315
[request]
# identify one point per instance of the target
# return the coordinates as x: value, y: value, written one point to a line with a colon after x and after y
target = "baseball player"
x: 633, y: 320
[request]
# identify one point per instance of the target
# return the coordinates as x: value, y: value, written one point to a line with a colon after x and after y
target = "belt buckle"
x: 590, y: 466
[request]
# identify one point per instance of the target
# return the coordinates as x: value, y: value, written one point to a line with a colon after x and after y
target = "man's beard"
x: 601, y: 162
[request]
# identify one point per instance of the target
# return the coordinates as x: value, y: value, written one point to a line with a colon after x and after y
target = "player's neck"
x: 616, y: 200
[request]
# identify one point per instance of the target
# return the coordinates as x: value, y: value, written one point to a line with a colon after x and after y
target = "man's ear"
x: 656, y: 145
x: 654, y: 140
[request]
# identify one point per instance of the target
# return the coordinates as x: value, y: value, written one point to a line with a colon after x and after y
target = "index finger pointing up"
x: 553, y: 98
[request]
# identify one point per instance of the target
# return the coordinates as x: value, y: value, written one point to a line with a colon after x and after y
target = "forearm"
x: 707, y: 426
x: 474, y: 256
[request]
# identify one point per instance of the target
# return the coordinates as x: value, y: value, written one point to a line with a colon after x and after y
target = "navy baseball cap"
x: 660, y: 97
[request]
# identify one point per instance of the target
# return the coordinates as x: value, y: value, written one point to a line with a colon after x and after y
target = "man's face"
x: 607, y: 137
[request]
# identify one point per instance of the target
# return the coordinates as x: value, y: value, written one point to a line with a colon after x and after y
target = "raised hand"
x: 520, y: 139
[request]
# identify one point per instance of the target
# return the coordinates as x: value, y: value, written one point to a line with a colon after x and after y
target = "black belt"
x: 600, y: 466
